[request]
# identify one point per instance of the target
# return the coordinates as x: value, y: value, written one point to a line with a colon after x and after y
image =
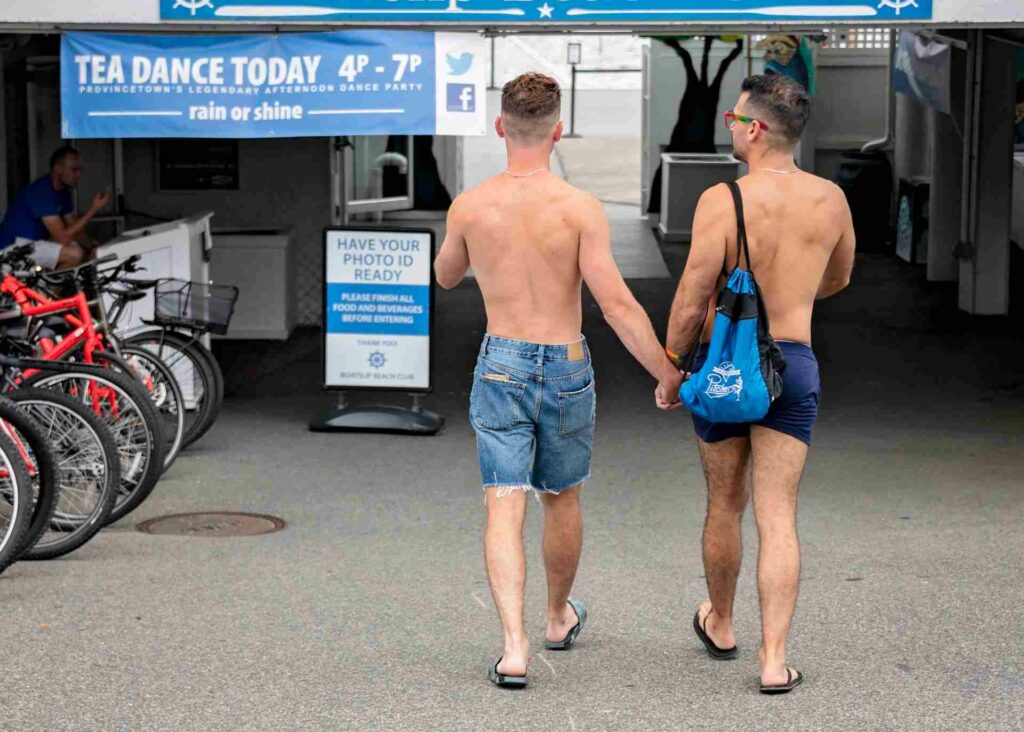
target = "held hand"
x: 100, y: 201
x: 666, y: 396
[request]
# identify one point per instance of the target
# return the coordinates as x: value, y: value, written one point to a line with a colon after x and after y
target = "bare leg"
x: 727, y: 469
x: 71, y: 255
x: 778, y: 464
x: 506, y: 571
x: 563, y: 541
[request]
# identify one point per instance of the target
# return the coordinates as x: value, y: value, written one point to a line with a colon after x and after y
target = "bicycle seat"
x: 140, y: 284
x: 127, y: 295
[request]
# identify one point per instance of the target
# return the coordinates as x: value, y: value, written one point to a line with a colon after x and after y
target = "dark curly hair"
x: 783, y: 103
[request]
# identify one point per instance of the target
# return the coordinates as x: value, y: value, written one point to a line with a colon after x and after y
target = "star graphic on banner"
x: 545, y: 10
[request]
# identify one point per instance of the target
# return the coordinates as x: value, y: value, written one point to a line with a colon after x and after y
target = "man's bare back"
x: 523, y: 238
x: 801, y: 241
x: 532, y: 240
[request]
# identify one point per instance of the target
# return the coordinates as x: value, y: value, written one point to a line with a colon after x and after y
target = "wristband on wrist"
x: 674, y: 357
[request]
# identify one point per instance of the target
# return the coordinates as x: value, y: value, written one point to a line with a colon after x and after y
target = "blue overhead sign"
x: 288, y: 85
x: 542, y: 11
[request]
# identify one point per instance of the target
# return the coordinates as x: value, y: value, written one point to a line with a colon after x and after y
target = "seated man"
x: 43, y: 214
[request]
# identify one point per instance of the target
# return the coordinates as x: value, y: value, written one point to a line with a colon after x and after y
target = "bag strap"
x: 742, y: 249
x: 696, y: 342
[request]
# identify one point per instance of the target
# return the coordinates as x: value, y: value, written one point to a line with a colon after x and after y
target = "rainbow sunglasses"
x: 731, y: 118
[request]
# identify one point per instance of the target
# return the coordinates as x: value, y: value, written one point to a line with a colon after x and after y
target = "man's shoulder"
x: 825, y: 184
x: 831, y: 194
x: 717, y: 199
x: 43, y: 184
x: 42, y: 189
x: 574, y: 199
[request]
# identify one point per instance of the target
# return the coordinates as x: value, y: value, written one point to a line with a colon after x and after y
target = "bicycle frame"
x: 23, y: 452
x: 85, y: 335
x: 34, y: 304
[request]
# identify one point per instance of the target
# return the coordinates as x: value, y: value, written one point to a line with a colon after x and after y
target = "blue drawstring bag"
x: 742, y: 375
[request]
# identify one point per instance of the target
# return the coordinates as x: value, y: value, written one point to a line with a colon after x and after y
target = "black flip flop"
x: 570, y: 638
x: 791, y: 683
x: 505, y: 681
x: 720, y: 654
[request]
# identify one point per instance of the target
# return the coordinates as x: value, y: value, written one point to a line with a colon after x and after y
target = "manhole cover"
x: 222, y: 523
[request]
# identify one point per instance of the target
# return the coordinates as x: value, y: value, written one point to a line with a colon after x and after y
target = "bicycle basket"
x: 195, y: 305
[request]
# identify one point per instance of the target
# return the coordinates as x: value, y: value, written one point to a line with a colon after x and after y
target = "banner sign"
x: 539, y: 11
x: 378, y: 305
x: 287, y: 85
x: 921, y: 70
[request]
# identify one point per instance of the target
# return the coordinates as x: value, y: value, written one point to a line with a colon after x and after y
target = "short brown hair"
x: 782, y: 102
x: 530, y: 105
x: 61, y: 154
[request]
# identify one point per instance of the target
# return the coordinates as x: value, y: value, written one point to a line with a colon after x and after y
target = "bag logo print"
x: 724, y: 379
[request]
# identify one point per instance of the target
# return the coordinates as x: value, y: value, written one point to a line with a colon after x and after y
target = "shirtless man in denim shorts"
x: 532, y: 240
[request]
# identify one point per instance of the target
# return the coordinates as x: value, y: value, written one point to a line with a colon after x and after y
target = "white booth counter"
x: 178, y: 249
x: 261, y: 263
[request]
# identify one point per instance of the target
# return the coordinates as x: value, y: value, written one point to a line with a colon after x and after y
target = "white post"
x: 985, y: 261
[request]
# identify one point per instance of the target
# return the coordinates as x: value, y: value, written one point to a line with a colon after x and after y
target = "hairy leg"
x: 727, y: 470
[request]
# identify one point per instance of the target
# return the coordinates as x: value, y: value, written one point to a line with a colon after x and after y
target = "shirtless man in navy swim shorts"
x: 801, y: 242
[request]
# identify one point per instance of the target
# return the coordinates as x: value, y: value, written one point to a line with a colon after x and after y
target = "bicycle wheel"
x: 125, y: 407
x: 159, y: 381
x: 196, y: 371
x: 88, y: 476
x: 36, y: 454
x: 15, y: 502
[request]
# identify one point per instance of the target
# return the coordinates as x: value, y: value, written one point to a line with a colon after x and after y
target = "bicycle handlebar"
x: 114, y: 274
x: 17, y: 254
x: 60, y: 276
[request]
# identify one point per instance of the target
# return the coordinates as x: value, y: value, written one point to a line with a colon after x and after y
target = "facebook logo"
x: 461, y: 98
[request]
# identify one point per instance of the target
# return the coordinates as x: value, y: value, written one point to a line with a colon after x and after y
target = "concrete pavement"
x: 371, y: 611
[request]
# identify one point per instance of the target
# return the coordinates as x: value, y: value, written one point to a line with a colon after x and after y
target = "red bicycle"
x: 75, y: 312
x: 112, y: 394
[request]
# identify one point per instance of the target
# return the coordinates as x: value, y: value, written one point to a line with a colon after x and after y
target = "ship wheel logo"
x: 192, y: 5
x: 896, y: 5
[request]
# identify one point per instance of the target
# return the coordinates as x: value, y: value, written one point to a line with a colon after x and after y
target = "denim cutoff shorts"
x: 533, y: 410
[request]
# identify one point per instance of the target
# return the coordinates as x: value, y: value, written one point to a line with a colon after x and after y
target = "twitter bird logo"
x: 459, y: 65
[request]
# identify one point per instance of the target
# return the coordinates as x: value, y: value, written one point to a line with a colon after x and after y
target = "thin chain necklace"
x: 523, y: 175
x: 776, y: 170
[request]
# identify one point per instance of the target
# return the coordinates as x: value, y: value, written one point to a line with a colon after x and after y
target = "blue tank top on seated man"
x: 25, y: 216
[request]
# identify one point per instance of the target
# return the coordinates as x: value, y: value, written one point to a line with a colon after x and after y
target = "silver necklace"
x: 510, y: 174
x: 775, y: 170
